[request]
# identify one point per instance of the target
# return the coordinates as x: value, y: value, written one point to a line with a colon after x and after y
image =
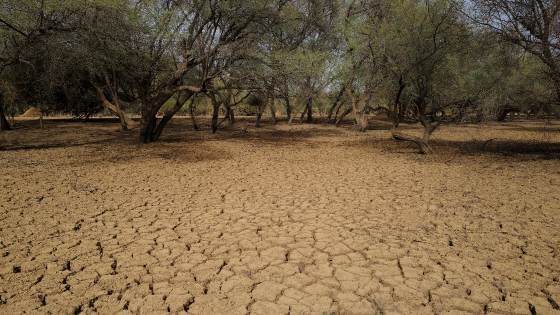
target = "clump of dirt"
x: 32, y: 112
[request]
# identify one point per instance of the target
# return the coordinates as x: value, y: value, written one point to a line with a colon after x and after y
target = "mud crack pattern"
x: 329, y: 225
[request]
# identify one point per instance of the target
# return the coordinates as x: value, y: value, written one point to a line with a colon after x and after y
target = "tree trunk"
x: 338, y: 110
x: 303, y: 113
x: 331, y: 110
x: 346, y: 112
x: 288, y: 110
x: 424, y: 147
x: 4, y: 125
x: 260, y: 110
x: 361, y: 121
x: 147, y: 125
x: 335, y: 103
x: 309, y: 110
x: 123, y: 117
x: 215, y: 111
x: 151, y: 128
x: 193, y: 119
x: 215, y: 114
x: 429, y: 126
x: 231, y: 116
x: 398, y: 107
x: 273, y: 110
x: 116, y: 99
x: 126, y: 121
x: 41, y: 120
x: 181, y: 100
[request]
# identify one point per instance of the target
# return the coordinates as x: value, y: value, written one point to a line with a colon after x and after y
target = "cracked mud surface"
x: 281, y: 220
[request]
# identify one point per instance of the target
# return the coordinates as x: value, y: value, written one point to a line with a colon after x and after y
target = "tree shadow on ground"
x: 180, y: 143
x: 505, y: 147
x: 267, y: 134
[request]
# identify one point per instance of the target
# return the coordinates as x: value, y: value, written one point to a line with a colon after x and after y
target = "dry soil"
x: 300, y: 219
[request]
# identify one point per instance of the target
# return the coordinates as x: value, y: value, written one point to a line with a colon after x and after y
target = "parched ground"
x: 301, y: 219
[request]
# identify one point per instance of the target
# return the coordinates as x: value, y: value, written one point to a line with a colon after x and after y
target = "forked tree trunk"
x: 361, y: 121
x: 334, y: 104
x: 338, y: 110
x: 181, y: 100
x: 331, y: 110
x: 423, y: 143
x: 226, y: 117
x: 148, y: 122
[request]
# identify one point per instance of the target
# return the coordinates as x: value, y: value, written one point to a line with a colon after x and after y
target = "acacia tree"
x: 409, y: 42
x: 294, y: 54
x: 27, y: 27
x: 534, y: 25
x: 25, y: 24
x: 185, y: 35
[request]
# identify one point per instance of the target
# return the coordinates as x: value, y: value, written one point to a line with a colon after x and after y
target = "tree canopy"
x: 427, y: 60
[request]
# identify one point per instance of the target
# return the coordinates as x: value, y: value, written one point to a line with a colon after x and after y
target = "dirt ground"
x: 301, y: 219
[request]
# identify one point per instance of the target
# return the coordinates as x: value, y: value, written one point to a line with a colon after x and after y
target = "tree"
x: 188, y: 34
x: 531, y: 24
x: 27, y: 25
x: 407, y: 43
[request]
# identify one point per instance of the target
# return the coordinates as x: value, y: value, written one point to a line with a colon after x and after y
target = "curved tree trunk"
x: 126, y: 121
x: 425, y: 148
x: 129, y: 123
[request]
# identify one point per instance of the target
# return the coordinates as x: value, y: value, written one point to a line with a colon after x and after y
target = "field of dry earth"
x: 300, y: 219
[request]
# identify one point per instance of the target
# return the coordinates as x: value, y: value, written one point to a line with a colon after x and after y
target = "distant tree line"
x: 429, y: 61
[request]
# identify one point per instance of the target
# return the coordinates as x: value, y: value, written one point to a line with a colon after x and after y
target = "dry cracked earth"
x: 300, y: 219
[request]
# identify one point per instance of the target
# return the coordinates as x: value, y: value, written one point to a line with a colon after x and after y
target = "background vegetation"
x: 429, y: 61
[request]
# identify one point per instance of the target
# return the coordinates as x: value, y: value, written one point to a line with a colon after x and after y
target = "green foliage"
x: 413, y: 54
